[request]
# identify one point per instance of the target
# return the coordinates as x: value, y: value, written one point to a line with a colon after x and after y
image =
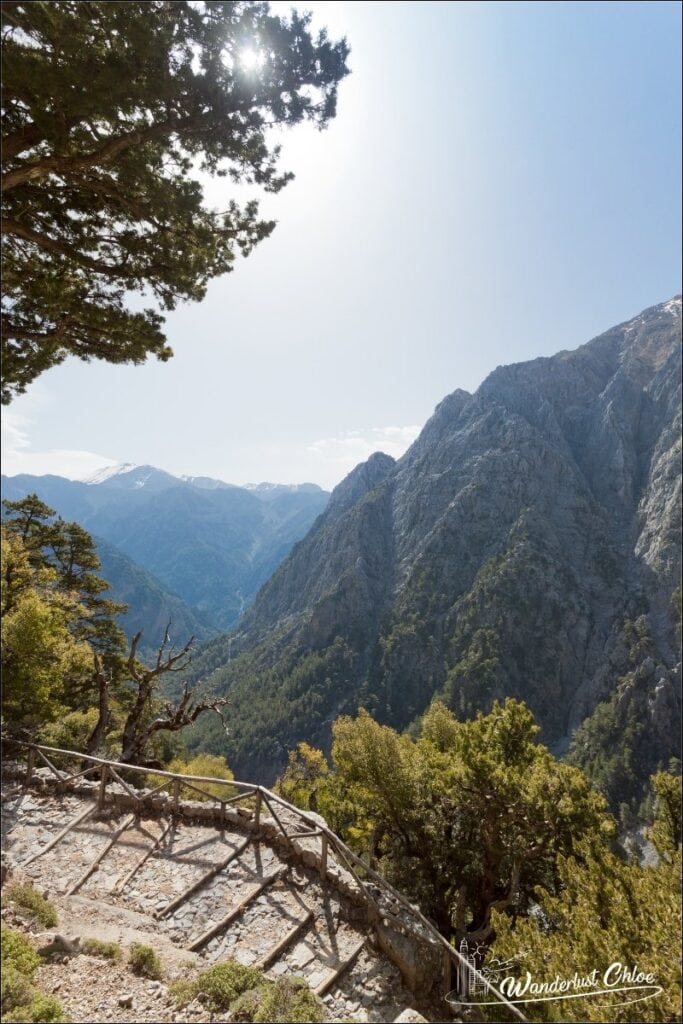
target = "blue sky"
x: 502, y: 181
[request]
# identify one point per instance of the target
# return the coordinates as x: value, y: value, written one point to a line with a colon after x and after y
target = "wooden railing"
x: 362, y: 874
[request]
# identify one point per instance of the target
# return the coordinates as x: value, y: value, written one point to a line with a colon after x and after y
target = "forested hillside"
x: 526, y: 545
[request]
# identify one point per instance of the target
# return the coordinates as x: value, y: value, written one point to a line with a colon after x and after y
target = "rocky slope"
x: 517, y: 548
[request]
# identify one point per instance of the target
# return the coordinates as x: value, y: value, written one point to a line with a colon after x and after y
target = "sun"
x: 250, y: 59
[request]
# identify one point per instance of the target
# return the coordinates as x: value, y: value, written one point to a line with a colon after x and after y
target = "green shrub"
x: 207, y: 765
x: 105, y: 950
x: 182, y: 992
x: 287, y: 1000
x: 143, y: 960
x: 219, y: 985
x: 246, y: 1006
x: 18, y: 953
x: 250, y: 996
x: 41, y: 1010
x: 71, y: 731
x: 26, y: 897
x: 20, y: 1000
x: 17, y: 989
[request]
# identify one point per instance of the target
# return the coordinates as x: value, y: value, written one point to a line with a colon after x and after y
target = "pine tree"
x: 469, y: 818
x: 606, y: 910
x: 109, y: 109
x: 70, y: 551
x: 66, y: 657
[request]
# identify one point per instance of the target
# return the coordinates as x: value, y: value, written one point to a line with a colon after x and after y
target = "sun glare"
x: 250, y: 59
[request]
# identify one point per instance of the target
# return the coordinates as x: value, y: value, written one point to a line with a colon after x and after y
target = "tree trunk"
x: 99, y: 733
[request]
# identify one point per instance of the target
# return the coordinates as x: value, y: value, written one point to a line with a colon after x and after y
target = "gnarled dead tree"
x: 140, y: 727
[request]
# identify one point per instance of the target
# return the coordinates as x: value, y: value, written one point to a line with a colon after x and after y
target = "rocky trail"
x: 198, y: 895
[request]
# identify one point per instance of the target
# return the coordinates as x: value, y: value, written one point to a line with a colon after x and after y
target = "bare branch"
x: 132, y: 667
x: 173, y: 717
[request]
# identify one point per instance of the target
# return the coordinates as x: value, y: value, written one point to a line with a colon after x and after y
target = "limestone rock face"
x: 340, y: 566
x: 501, y: 556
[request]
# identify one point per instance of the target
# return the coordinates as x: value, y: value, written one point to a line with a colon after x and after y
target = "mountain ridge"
x: 502, y: 554
x: 210, y: 547
x: 133, y: 474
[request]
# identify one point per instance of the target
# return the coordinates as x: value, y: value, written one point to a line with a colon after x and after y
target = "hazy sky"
x: 502, y: 181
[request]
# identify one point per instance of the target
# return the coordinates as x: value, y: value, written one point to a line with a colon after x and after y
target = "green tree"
x: 65, y: 656
x: 207, y: 765
x: 70, y: 551
x: 109, y: 109
x: 606, y: 910
x: 59, y: 568
x: 471, y: 816
x: 306, y: 772
x: 309, y: 783
x: 41, y: 658
x: 665, y: 833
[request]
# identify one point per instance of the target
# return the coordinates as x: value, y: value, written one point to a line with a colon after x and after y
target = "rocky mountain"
x: 208, y: 543
x: 526, y: 545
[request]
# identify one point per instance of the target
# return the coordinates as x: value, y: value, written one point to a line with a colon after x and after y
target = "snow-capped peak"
x: 100, y: 475
x: 206, y: 483
x: 266, y: 489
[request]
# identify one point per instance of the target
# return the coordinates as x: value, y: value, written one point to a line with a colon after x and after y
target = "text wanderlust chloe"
x: 615, y: 978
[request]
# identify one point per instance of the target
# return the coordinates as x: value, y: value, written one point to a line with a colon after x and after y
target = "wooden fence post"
x: 176, y: 795
x: 30, y: 764
x: 323, y: 856
x: 257, y: 811
x: 103, y: 787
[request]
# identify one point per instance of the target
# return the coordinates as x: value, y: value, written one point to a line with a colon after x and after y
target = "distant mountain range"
x: 192, y: 549
x: 526, y: 545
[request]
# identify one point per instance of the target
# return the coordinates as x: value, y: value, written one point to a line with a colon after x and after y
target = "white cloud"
x: 18, y: 456
x: 345, y: 451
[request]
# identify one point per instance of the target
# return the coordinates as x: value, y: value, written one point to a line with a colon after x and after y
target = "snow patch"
x: 109, y: 471
x: 206, y: 483
x: 268, y: 489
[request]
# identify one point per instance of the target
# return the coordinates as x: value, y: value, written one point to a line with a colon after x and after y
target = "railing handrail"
x: 124, y: 766
x: 332, y: 838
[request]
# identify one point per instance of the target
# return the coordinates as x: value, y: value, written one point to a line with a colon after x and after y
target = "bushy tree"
x: 208, y: 765
x: 42, y: 660
x: 606, y: 910
x: 69, y: 551
x: 665, y: 832
x: 109, y: 111
x: 308, y: 782
x: 471, y: 816
x: 307, y: 769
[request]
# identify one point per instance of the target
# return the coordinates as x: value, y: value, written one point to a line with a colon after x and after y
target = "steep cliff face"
x: 502, y: 555
x: 343, y: 564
